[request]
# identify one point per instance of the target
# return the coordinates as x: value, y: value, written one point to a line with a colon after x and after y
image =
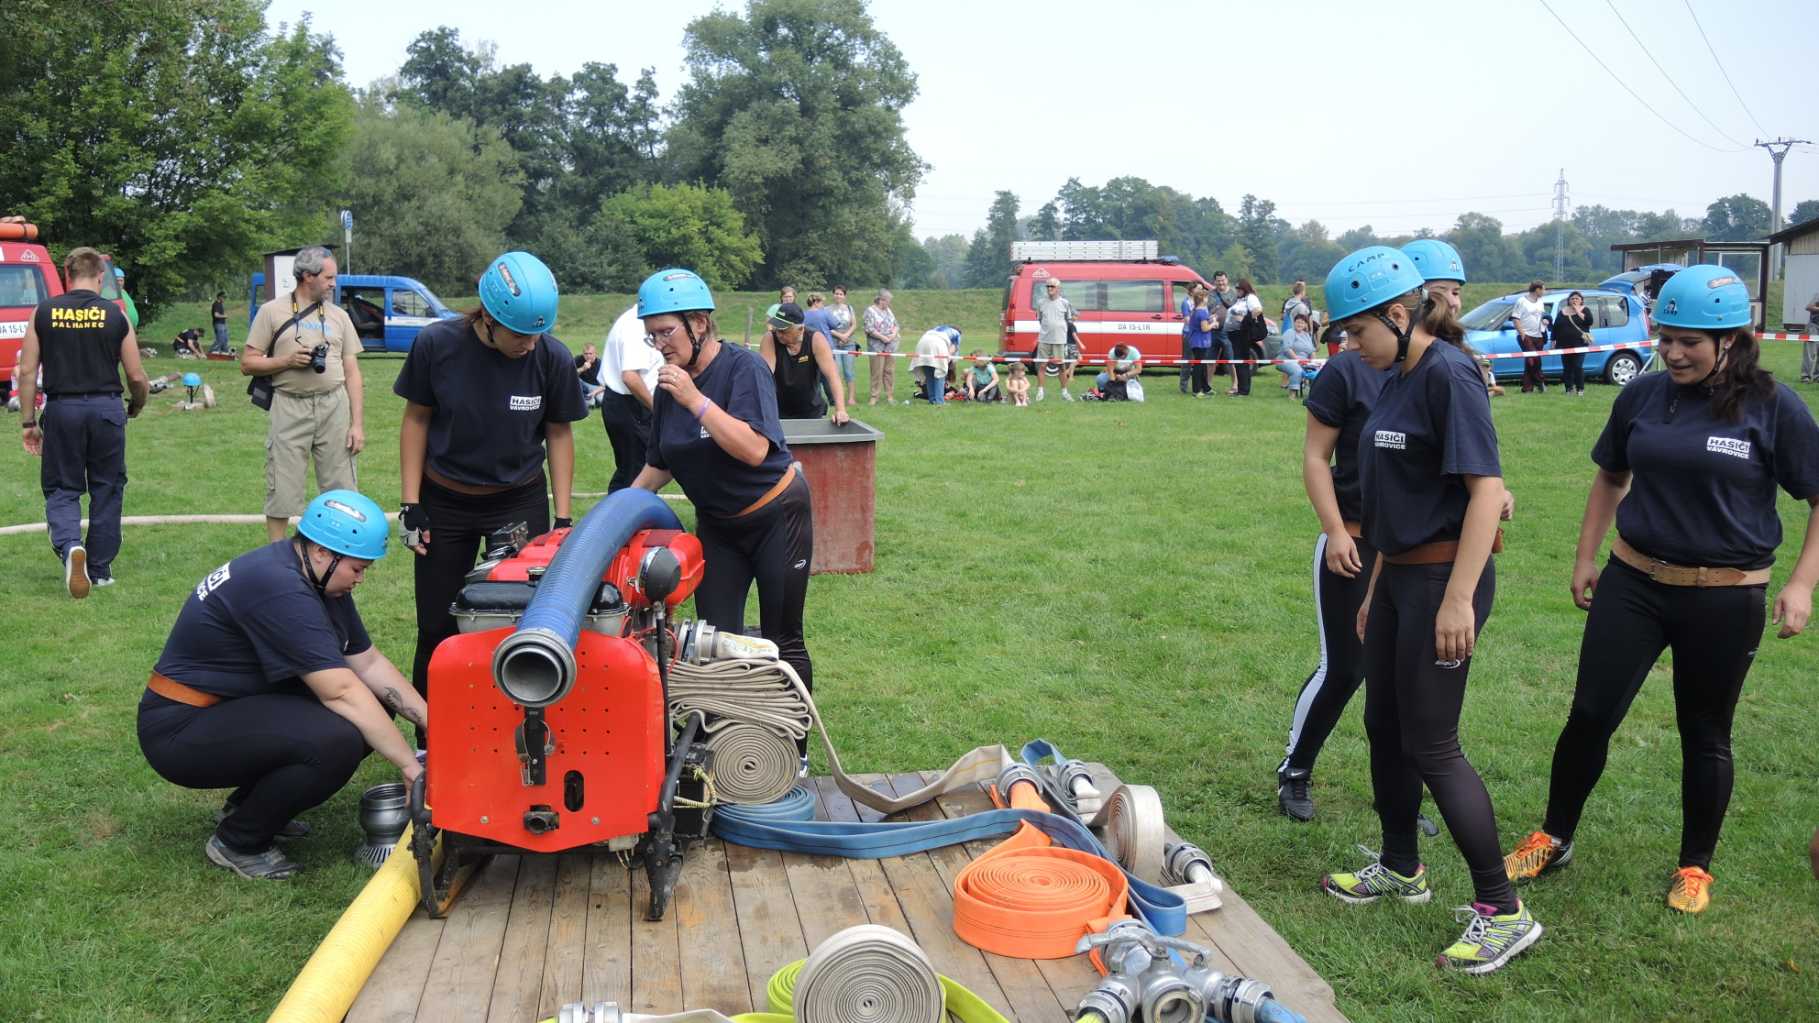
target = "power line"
x: 1726, y: 74
x: 1633, y: 94
x: 1664, y: 74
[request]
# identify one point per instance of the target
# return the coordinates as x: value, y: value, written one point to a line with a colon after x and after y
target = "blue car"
x: 387, y: 310
x: 1616, y: 320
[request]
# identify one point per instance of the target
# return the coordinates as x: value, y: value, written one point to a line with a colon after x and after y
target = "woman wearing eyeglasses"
x: 488, y: 399
x: 716, y: 432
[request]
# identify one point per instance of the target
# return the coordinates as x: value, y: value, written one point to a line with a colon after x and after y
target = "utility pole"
x: 1777, y: 150
x: 1560, y: 205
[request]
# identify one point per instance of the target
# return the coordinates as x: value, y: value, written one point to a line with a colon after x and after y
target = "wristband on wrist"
x: 701, y: 409
x: 29, y: 424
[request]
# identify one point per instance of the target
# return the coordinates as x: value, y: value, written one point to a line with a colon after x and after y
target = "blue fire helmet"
x: 674, y: 290
x: 1704, y: 297
x: 1436, y: 260
x: 520, y: 294
x: 348, y: 523
x: 119, y: 274
x: 1369, y: 278
x: 192, y: 380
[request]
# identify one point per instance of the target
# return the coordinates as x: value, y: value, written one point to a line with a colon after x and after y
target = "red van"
x: 1120, y: 290
x: 27, y: 277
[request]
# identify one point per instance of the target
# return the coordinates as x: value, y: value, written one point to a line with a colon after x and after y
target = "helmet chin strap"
x: 309, y: 568
x: 1402, y: 336
x: 694, y: 342
x: 1724, y: 352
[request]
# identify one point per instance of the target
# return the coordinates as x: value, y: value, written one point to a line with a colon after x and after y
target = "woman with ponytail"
x: 1688, y: 465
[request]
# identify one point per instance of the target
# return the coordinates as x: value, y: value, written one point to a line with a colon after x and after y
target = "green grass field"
x: 1128, y: 581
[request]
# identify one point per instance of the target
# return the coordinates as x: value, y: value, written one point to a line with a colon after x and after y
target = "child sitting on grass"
x: 1018, y: 386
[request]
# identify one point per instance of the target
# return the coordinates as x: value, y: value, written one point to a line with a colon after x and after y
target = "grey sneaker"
x: 270, y: 865
x: 291, y: 829
x: 75, y: 571
x: 1376, y: 881
x: 1489, y: 940
x: 1292, y: 795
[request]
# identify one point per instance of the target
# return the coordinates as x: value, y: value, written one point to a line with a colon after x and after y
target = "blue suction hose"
x: 535, y: 665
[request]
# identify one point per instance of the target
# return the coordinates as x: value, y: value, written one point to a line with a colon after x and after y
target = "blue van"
x: 387, y: 311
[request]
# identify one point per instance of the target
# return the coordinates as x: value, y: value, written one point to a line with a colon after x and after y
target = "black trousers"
x: 1411, y: 713
x: 1243, y: 350
x: 1572, y: 372
x: 84, y: 453
x: 281, y: 754
x: 458, y: 526
x: 772, y: 546
x: 628, y: 425
x: 1713, y: 633
x: 1198, y: 380
x: 1341, y: 668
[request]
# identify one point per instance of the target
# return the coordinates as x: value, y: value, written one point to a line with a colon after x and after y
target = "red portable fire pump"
x: 547, y: 713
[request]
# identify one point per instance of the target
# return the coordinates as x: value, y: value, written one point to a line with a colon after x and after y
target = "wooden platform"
x: 535, y: 932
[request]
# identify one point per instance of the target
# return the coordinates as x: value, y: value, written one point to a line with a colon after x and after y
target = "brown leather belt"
x: 473, y: 490
x: 1438, y: 552
x: 782, y: 484
x: 171, y: 689
x: 1685, y: 575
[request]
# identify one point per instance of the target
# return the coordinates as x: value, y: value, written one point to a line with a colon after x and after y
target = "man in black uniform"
x: 82, y: 340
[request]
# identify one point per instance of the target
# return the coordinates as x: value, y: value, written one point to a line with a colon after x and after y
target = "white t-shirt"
x: 1131, y: 356
x: 1529, y: 314
x: 624, y: 349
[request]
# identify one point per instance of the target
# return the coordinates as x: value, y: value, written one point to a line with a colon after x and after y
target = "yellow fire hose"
x: 328, y: 984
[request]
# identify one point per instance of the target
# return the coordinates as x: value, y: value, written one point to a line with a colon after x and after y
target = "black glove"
x: 563, y: 522
x: 415, y: 520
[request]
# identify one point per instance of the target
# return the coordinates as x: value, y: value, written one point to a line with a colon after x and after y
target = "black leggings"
x: 281, y: 753
x: 459, y: 524
x: 1341, y: 668
x: 1198, y: 379
x: 1713, y: 633
x: 1411, y: 713
x: 1243, y: 371
x: 774, y: 546
x: 1572, y: 371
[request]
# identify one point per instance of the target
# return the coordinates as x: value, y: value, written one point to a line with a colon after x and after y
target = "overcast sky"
x: 1289, y: 101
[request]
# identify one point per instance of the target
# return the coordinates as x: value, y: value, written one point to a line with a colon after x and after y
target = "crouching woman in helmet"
x: 269, y: 685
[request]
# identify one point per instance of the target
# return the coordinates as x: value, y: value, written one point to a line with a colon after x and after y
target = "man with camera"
x: 306, y: 345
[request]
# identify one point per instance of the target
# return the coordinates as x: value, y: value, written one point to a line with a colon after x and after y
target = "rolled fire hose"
x: 332, y: 978
x: 864, y: 974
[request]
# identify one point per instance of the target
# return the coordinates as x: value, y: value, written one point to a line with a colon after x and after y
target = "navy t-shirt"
x: 256, y: 625
x: 1702, y: 489
x: 718, y: 484
x: 1342, y: 397
x: 488, y: 412
x: 1431, y: 427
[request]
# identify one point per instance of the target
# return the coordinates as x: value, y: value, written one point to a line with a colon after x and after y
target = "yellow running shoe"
x: 1538, y: 854
x: 1690, y: 891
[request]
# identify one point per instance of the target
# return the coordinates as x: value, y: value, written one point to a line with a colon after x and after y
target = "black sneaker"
x: 291, y: 829
x: 1292, y: 795
x: 270, y: 865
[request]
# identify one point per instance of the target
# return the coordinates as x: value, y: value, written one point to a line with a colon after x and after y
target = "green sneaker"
x: 1489, y: 940
x: 1374, y: 882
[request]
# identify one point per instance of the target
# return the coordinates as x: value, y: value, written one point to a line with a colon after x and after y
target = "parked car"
x: 1116, y: 298
x: 387, y: 311
x: 1617, y: 320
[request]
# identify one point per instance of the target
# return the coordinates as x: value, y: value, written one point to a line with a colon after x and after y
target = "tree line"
x: 186, y: 137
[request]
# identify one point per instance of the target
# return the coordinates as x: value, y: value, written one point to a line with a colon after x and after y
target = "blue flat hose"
x: 535, y: 665
x: 788, y: 825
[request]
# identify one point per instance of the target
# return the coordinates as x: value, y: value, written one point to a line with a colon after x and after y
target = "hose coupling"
x: 599, y: 1012
x: 1012, y: 775
x: 1186, y: 863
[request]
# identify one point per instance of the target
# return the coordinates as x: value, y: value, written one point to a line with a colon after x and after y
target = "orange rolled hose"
x: 1030, y: 900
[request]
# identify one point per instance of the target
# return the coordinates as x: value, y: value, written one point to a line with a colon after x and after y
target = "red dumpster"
x: 839, y: 463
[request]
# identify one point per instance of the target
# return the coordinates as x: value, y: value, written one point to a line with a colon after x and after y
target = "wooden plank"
x: 562, y: 964
x: 1251, y: 944
x: 656, y: 984
x: 1069, y: 978
x: 460, y: 984
x: 928, y: 909
x: 874, y: 888
x: 606, y: 963
x: 768, y: 928
x: 395, y: 988
x: 827, y: 897
x: 1021, y: 980
x: 713, y: 963
x: 518, y: 982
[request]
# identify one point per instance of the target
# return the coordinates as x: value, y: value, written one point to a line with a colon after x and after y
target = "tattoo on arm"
x: 391, y: 701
